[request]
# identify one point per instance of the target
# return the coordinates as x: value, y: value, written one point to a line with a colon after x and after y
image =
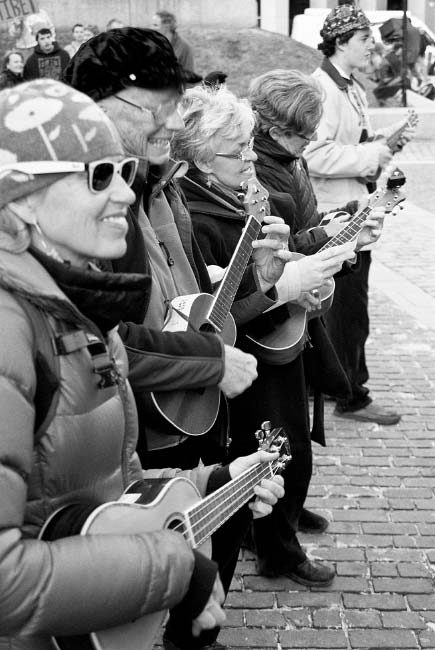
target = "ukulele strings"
x: 202, y: 524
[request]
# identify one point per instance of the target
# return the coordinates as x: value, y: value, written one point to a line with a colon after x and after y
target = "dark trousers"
x: 226, y: 541
x: 347, y: 322
x: 279, y: 395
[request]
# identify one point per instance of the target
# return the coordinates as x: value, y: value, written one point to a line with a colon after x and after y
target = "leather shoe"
x: 312, y: 574
x: 309, y: 522
x: 370, y: 413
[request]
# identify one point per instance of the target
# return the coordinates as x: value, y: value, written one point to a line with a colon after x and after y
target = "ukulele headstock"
x: 255, y: 198
x: 412, y: 120
x: 398, y: 140
x: 274, y: 440
x: 389, y: 195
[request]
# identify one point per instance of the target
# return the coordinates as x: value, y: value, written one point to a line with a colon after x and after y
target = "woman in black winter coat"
x: 217, y: 144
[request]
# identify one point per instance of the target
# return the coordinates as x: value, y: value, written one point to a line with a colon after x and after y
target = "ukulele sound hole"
x: 176, y: 524
x: 207, y: 328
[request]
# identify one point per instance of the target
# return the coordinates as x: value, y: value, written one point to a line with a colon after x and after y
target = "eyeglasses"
x: 159, y: 114
x: 307, y: 138
x: 243, y: 153
x: 101, y: 173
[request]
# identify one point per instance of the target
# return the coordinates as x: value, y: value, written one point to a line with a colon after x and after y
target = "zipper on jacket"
x: 165, y: 250
x: 123, y: 393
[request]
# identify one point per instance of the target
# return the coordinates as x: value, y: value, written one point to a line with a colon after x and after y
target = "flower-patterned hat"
x: 47, y: 120
x: 119, y: 58
x: 343, y: 19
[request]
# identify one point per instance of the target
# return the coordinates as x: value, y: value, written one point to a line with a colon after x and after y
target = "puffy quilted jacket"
x: 81, y: 583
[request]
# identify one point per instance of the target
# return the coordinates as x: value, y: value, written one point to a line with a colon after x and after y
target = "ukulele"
x: 194, y: 411
x: 155, y: 504
x: 394, y: 142
x: 286, y: 340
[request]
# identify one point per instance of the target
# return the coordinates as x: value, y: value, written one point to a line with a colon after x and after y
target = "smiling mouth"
x: 118, y: 220
x: 160, y: 143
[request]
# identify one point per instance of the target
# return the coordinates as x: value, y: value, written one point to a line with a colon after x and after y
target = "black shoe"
x: 312, y: 574
x: 309, y: 522
x: 370, y: 413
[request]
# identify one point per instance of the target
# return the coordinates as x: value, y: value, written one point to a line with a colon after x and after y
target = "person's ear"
x: 274, y: 133
x: 203, y: 167
x: 23, y: 208
x: 339, y: 46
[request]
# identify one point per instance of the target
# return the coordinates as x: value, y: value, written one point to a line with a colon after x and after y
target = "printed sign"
x: 12, y: 9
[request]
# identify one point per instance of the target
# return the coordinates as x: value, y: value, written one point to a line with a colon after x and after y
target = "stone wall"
x: 65, y: 13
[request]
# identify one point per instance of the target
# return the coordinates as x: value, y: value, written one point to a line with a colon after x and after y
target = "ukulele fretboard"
x: 233, y: 276
x: 350, y: 230
x: 214, y: 510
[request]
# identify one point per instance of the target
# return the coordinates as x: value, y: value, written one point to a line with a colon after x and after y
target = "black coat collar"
x: 224, y: 203
x: 264, y: 144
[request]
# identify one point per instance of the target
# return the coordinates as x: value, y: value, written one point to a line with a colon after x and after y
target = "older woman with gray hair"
x: 217, y: 143
x: 288, y: 107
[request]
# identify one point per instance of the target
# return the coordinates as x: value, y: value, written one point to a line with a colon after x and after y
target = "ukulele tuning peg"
x: 263, y: 431
x: 282, y: 462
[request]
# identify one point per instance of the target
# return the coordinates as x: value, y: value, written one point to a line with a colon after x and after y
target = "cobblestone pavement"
x: 376, y: 485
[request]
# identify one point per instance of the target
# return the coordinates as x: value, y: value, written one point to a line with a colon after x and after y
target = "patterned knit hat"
x: 343, y: 19
x: 47, y: 120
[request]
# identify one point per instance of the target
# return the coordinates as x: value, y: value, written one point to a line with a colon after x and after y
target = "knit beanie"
x: 119, y: 58
x: 343, y: 19
x: 215, y: 77
x: 46, y: 120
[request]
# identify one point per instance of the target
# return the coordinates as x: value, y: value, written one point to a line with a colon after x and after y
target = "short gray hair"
x: 209, y: 115
x: 286, y: 99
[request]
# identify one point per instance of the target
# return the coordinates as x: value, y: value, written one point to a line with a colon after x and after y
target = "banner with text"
x: 13, y: 9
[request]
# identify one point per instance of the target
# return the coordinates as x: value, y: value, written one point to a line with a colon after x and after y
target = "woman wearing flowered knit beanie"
x: 68, y: 426
x: 64, y: 193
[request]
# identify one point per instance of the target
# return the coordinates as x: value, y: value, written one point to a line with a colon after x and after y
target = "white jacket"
x: 337, y: 158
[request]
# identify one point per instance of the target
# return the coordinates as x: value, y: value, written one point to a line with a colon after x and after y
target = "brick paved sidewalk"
x: 376, y: 485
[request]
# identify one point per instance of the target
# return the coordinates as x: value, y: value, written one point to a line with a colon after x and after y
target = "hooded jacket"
x: 41, y: 64
x: 87, y: 453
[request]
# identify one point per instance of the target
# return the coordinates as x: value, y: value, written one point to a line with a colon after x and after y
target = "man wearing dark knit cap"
x: 135, y: 77
x: 340, y: 163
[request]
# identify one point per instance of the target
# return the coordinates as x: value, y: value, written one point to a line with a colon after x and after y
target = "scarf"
x: 102, y: 297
